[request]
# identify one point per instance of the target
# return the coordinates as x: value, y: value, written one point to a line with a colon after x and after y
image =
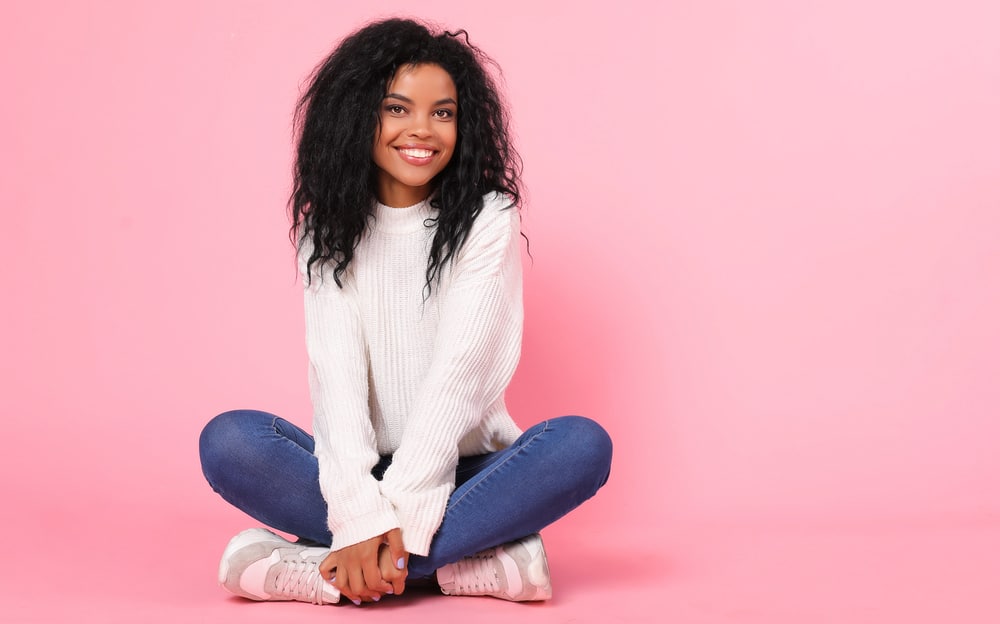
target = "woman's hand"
x: 393, y: 561
x: 355, y: 571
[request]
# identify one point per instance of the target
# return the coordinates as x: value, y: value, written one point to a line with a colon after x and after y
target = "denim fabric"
x: 265, y: 466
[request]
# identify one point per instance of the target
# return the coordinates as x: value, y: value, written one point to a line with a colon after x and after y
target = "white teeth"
x: 417, y: 153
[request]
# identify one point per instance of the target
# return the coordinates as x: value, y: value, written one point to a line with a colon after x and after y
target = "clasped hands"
x: 368, y: 570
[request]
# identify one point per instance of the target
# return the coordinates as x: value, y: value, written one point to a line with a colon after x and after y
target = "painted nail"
x: 400, y: 563
x: 376, y: 598
x: 389, y: 591
x: 357, y: 603
x: 332, y: 579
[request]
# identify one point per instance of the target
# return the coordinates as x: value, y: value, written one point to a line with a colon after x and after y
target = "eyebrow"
x: 398, y: 96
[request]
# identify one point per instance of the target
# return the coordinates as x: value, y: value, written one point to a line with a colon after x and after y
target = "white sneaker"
x: 515, y: 571
x: 259, y: 565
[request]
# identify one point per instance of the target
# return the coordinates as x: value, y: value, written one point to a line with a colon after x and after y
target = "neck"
x: 400, y: 196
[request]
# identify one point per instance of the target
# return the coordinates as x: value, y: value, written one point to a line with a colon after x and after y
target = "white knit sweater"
x: 393, y: 374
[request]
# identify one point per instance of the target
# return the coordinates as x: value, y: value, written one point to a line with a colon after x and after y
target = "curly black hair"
x: 337, y: 118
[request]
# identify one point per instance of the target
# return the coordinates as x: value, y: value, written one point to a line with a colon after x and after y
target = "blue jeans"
x: 265, y: 466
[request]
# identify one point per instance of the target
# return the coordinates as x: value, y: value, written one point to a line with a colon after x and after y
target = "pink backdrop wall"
x: 765, y: 241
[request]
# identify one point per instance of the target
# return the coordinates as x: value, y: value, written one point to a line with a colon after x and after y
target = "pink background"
x: 765, y: 241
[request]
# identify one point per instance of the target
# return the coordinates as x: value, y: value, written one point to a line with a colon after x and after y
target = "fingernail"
x: 400, y: 563
x: 357, y: 603
x: 389, y: 591
x: 376, y: 598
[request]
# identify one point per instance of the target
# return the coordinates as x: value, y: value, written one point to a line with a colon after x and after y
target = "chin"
x: 415, y: 183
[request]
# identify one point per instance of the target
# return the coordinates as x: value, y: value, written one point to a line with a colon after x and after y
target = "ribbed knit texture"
x: 393, y: 374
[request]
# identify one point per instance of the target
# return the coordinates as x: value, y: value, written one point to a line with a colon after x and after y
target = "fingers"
x: 375, y: 585
x: 327, y: 567
x: 359, y: 585
x: 328, y: 570
x: 359, y: 580
x: 353, y: 586
x: 399, y: 585
x: 354, y: 571
x: 400, y: 557
x: 390, y: 572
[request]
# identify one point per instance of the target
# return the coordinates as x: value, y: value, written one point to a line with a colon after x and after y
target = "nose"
x: 419, y: 132
x: 420, y: 128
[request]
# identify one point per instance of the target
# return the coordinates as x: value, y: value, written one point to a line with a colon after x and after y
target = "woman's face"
x: 419, y: 129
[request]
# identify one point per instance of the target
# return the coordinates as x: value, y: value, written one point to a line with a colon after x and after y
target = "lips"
x: 417, y: 156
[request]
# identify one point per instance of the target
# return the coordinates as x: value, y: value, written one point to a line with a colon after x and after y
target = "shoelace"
x: 477, y: 573
x: 300, y: 580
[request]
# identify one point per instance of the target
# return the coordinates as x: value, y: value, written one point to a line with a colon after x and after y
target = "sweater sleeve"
x: 345, y: 439
x: 476, y: 349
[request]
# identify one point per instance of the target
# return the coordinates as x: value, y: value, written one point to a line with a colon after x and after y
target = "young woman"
x: 405, y: 217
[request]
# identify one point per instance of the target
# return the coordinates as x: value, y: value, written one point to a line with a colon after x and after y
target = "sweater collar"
x: 402, y: 220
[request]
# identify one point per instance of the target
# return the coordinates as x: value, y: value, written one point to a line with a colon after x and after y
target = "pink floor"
x: 908, y: 572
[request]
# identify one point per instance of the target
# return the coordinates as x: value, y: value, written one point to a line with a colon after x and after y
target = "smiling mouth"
x: 415, y: 153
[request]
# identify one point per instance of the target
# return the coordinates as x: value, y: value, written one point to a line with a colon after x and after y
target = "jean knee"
x: 224, y: 440
x: 589, y: 444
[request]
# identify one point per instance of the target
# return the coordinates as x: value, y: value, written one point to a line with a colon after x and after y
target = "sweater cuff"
x: 363, y: 528
x: 420, y: 516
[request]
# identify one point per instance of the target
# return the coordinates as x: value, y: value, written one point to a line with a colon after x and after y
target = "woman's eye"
x: 395, y: 109
x: 444, y: 113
